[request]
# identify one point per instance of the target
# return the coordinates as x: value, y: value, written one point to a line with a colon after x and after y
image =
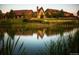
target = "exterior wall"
x: 68, y: 15
x: 19, y: 17
x: 41, y: 14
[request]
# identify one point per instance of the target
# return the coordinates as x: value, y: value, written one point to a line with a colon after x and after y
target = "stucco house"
x: 40, y: 12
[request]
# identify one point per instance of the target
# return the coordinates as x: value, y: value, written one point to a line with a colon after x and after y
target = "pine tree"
x: 1, y: 15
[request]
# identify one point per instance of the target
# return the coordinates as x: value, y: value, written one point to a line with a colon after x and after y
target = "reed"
x: 64, y: 46
x: 9, y: 47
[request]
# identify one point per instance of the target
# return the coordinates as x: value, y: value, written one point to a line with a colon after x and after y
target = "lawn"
x: 53, y: 20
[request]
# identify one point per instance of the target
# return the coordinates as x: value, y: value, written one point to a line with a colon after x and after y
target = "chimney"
x: 37, y: 8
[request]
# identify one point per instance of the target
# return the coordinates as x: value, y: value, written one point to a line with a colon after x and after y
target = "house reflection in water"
x: 40, y: 33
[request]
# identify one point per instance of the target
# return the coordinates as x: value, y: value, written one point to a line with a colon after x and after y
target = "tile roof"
x: 20, y: 12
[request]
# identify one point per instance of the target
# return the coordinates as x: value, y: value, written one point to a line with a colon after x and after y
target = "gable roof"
x: 40, y: 9
x: 67, y: 12
x: 20, y: 12
x: 51, y: 10
x: 54, y: 10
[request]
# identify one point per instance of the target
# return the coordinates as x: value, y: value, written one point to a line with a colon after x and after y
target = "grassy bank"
x: 13, y: 26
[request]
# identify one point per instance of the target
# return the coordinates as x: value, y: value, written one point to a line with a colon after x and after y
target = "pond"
x: 37, y: 42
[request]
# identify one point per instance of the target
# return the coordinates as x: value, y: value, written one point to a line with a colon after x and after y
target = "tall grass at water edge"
x: 63, y: 46
x: 10, y: 45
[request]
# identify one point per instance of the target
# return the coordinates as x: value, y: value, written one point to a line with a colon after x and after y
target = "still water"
x: 35, y: 43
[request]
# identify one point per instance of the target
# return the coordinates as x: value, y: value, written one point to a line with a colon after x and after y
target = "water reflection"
x: 40, y: 32
x: 34, y: 46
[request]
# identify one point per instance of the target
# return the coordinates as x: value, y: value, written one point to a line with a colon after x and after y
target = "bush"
x: 25, y: 20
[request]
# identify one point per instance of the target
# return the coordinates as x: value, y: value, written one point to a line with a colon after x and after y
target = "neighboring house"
x: 23, y: 13
x: 52, y: 12
x: 67, y: 14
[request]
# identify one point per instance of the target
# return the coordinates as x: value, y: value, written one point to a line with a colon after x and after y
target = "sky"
x: 72, y: 8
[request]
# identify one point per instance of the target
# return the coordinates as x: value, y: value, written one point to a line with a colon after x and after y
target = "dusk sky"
x: 72, y: 8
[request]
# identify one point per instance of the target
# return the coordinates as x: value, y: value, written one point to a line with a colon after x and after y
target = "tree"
x: 34, y: 14
x: 78, y: 13
x: 56, y: 15
x: 61, y: 13
x: 7, y: 15
x: 11, y: 14
x: 1, y: 15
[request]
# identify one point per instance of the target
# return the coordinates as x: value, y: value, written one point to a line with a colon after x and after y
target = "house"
x: 40, y: 12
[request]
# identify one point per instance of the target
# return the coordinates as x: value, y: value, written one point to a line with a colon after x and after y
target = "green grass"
x: 51, y: 20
